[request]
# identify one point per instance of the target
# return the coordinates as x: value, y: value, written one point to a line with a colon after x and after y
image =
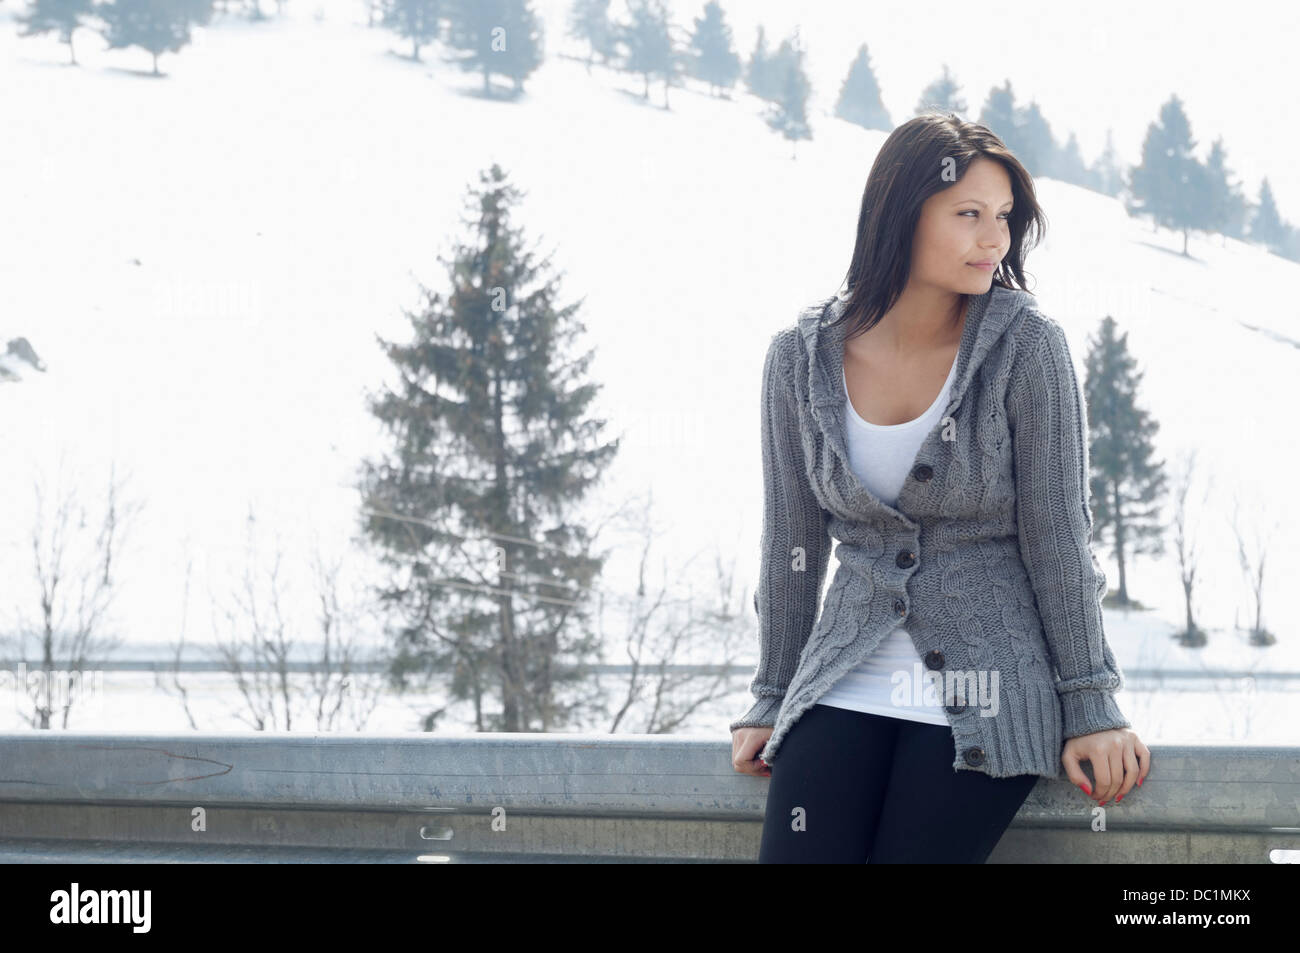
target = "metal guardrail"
x: 287, y: 796
x: 743, y: 672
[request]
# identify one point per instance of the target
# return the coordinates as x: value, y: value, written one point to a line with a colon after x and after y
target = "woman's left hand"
x: 1118, y: 757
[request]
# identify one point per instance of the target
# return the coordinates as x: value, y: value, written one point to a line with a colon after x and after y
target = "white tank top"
x: 892, y: 681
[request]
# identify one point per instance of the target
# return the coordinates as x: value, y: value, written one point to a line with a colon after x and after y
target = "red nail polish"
x: 1139, y: 782
x: 1085, y: 789
x: 1118, y: 799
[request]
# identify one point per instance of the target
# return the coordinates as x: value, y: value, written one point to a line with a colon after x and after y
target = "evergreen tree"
x: 589, y: 21
x: 1170, y: 184
x: 198, y: 12
x: 1125, y: 484
x: 500, y: 36
x: 223, y: 6
x: 860, y: 101
x: 942, y: 96
x: 47, y: 16
x: 1000, y: 115
x: 1267, y: 226
x: 1070, y: 166
x: 760, y: 77
x: 648, y: 44
x: 1290, y: 247
x: 158, y: 26
x: 789, y: 114
x: 715, y: 59
x: 1225, y: 206
x: 414, y: 20
x: 473, y: 511
x: 1035, y: 146
x: 1107, y: 176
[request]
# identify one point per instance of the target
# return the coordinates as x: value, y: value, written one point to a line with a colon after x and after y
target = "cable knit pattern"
x: 987, y: 549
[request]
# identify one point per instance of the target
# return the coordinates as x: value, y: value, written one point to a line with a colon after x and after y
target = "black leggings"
x: 881, y: 791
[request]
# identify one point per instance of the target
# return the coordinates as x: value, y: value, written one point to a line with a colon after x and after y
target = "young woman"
x: 929, y: 419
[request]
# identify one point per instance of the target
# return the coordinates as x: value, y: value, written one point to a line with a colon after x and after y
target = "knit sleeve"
x: 795, y: 547
x: 1048, y: 420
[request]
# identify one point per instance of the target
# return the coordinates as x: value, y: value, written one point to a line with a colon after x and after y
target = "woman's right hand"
x: 746, y: 743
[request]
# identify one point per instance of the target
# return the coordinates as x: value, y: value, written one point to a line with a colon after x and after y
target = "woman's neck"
x: 906, y: 329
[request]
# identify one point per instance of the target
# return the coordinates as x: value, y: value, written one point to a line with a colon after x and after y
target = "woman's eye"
x: 975, y: 211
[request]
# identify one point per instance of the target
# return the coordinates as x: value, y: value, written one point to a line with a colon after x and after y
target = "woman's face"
x: 966, y: 222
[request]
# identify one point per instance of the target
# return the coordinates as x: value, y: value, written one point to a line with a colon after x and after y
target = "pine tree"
x: 789, y: 114
x: 1070, y: 166
x: 499, y: 36
x: 859, y: 100
x: 1036, y: 147
x: 158, y: 26
x: 1000, y: 115
x: 1290, y: 247
x: 1225, y: 206
x: 48, y: 16
x: 715, y: 59
x: 1125, y: 484
x: 760, y: 77
x: 197, y: 12
x: 1266, y: 226
x: 1170, y: 184
x: 648, y: 44
x: 942, y: 96
x: 1107, y: 176
x: 473, y: 510
x: 589, y: 21
x: 414, y: 20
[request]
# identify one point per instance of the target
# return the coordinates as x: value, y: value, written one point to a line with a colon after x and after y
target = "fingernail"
x: 1139, y: 782
x: 1085, y: 789
x: 1118, y: 799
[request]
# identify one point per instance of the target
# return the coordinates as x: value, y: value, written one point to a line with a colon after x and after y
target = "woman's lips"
x: 989, y: 267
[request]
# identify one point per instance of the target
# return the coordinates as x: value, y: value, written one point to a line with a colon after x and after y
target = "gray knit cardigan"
x: 985, y: 557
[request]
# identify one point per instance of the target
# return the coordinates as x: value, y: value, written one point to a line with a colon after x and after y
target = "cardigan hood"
x: 985, y: 557
x: 987, y: 318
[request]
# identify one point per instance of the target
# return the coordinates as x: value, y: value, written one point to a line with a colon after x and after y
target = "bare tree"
x: 665, y: 631
x: 168, y: 680
x: 73, y: 566
x: 259, y: 649
x: 1252, y: 552
x: 1187, y: 545
x: 336, y: 684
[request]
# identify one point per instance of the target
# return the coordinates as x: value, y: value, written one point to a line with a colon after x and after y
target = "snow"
x: 204, y: 260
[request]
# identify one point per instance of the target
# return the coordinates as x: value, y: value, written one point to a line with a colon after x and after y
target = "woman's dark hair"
x: 925, y: 155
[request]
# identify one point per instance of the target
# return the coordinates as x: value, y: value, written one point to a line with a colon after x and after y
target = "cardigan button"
x: 974, y: 756
x: 900, y: 606
x: 923, y: 473
x: 934, y: 659
x: 905, y: 560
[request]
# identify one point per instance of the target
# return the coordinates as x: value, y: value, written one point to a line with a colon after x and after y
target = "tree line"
x: 1170, y: 185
